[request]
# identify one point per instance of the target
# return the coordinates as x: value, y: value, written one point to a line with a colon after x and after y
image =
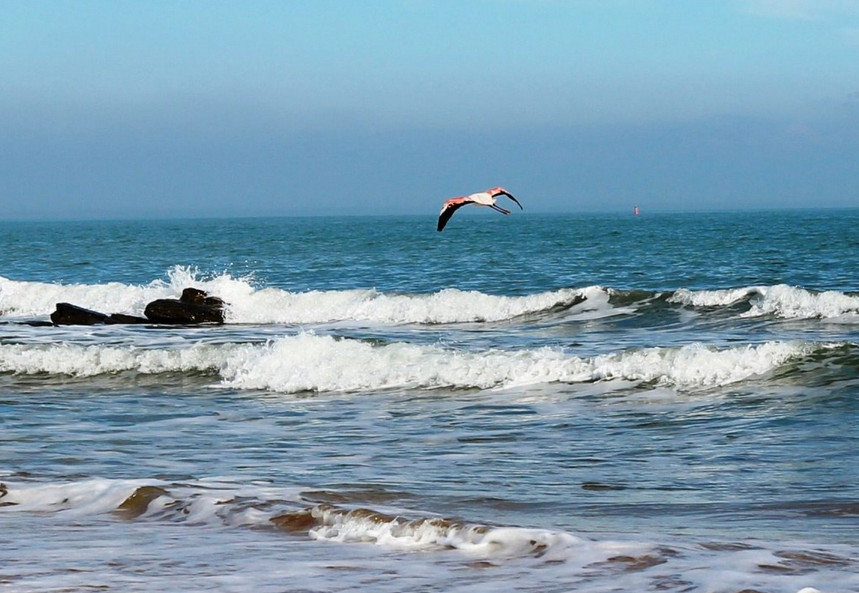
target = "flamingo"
x: 484, y: 198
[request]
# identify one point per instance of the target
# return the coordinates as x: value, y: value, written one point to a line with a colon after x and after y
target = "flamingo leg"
x: 499, y: 209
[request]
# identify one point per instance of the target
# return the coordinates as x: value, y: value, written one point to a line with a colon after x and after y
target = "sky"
x: 201, y: 108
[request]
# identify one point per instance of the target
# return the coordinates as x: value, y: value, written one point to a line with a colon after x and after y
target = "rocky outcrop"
x: 193, y: 307
x: 68, y: 314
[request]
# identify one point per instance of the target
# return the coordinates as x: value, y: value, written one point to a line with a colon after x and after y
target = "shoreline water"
x: 546, y: 404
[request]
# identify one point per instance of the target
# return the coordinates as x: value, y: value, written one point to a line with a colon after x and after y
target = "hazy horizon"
x: 207, y: 109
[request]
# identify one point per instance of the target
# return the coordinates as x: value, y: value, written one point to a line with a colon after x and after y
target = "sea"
x: 662, y: 402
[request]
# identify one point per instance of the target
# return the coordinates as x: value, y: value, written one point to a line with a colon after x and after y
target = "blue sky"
x: 115, y: 109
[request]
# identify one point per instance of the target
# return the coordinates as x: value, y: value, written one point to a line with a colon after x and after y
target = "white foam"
x: 214, y: 503
x: 202, y: 501
x: 310, y: 362
x: 797, y: 303
x: 596, y: 305
x: 34, y: 299
x: 249, y: 305
x: 322, y: 363
x: 780, y: 300
x: 246, y: 304
x: 362, y: 526
x: 271, y: 305
x: 87, y: 361
x: 88, y: 497
x: 573, y: 561
x: 698, y: 365
x: 711, y: 298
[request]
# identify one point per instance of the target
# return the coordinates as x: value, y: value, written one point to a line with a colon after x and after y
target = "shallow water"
x: 553, y: 403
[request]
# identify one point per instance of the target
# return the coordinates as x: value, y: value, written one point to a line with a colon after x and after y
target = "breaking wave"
x: 214, y: 502
x: 780, y: 300
x: 236, y: 505
x: 247, y: 304
x: 322, y: 363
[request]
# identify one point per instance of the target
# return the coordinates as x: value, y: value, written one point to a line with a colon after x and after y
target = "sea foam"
x: 37, y: 299
x: 215, y: 503
x: 604, y: 562
x: 310, y: 362
x: 271, y: 305
x: 247, y: 304
x: 780, y: 300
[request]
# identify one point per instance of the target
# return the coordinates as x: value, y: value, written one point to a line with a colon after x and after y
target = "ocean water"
x: 600, y: 403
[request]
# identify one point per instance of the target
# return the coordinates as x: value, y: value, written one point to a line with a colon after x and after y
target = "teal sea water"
x: 663, y: 402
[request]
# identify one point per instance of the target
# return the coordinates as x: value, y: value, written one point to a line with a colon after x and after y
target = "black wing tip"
x: 447, y: 211
x: 512, y: 197
x: 443, y: 218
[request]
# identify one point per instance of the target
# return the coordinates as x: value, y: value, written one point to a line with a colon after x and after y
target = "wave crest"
x: 272, y: 305
x: 780, y: 300
x: 249, y: 305
x: 35, y: 299
x: 322, y: 363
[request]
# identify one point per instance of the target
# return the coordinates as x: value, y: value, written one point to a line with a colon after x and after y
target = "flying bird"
x: 484, y: 198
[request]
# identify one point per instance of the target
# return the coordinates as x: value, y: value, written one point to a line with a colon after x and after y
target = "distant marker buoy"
x: 635, y: 210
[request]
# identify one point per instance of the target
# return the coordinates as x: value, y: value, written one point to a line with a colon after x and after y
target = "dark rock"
x: 195, y: 306
x: 200, y: 297
x: 175, y: 311
x: 193, y: 295
x: 67, y: 314
x: 116, y: 318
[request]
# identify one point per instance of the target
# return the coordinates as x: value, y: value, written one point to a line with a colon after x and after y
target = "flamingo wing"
x: 509, y: 195
x: 448, y: 208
